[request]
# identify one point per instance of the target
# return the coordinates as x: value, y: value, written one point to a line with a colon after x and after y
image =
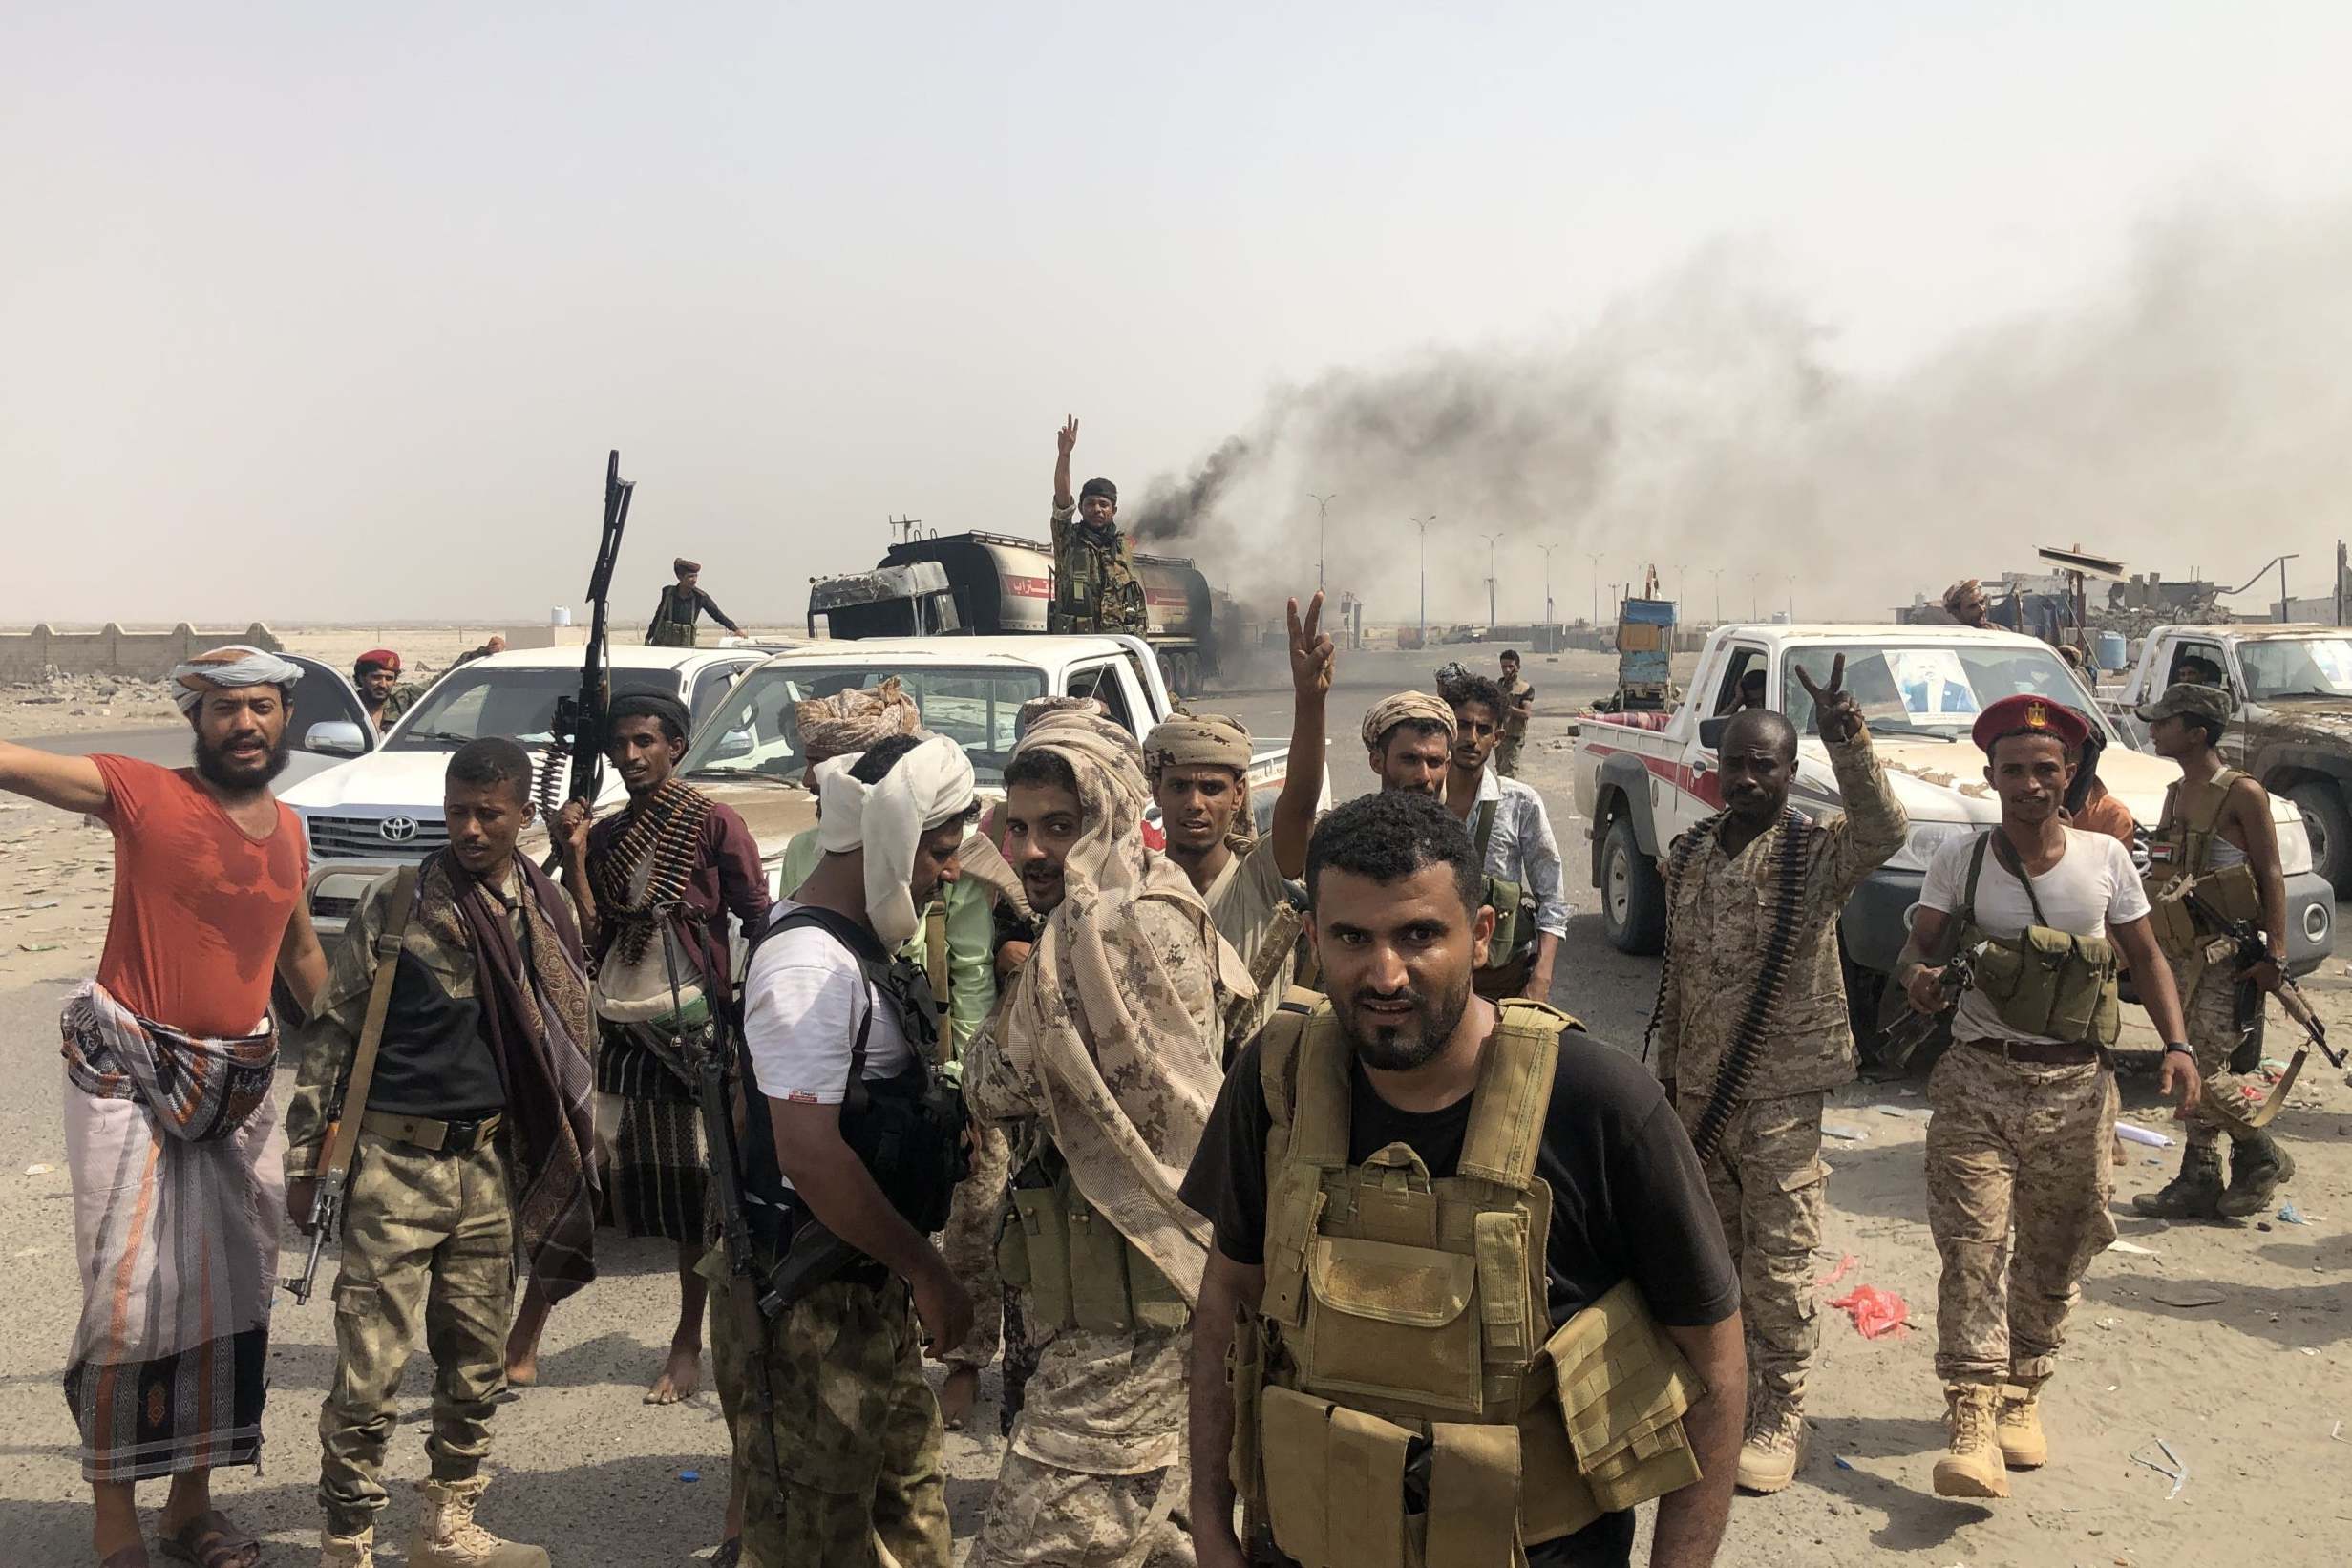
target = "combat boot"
x: 2257, y: 1169
x: 448, y: 1538
x: 1974, y: 1467
x: 1775, y: 1445
x: 2192, y: 1195
x: 347, y: 1551
x: 2019, y: 1430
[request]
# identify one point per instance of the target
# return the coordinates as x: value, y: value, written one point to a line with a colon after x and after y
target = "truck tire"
x: 2330, y: 827
x: 1633, y: 897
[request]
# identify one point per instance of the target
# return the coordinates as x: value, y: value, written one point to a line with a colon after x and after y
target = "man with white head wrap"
x: 1103, y: 1059
x: 171, y: 1134
x: 840, y: 1039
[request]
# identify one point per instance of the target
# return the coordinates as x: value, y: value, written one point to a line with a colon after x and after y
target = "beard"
x: 1395, y: 1043
x: 219, y: 769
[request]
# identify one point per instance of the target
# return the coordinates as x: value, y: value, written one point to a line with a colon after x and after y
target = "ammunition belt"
x: 1748, y: 1034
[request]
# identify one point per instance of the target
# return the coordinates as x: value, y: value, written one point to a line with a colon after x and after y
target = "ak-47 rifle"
x: 580, y: 722
x: 2248, y: 947
x: 1913, y: 1031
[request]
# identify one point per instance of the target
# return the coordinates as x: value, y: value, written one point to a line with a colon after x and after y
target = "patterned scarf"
x: 535, y: 1016
x: 195, y: 1089
x: 666, y: 827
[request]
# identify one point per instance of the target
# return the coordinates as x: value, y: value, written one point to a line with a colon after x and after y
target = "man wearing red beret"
x: 377, y: 676
x: 2025, y: 1101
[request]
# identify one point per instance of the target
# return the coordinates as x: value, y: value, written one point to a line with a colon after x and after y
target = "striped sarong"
x: 177, y: 1162
x: 648, y: 1133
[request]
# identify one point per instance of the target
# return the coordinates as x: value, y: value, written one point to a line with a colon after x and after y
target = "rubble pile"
x: 96, y: 696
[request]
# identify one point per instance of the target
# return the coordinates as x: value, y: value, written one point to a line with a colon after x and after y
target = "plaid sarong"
x: 648, y: 1133
x: 176, y: 1156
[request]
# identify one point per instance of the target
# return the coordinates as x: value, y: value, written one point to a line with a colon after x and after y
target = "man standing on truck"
x: 171, y: 1131
x: 1102, y: 1062
x: 1751, y: 1024
x: 1513, y: 834
x: 1521, y: 698
x: 2024, y: 1104
x: 682, y: 604
x: 2215, y: 835
x: 1198, y: 765
x: 1966, y: 603
x: 1095, y: 585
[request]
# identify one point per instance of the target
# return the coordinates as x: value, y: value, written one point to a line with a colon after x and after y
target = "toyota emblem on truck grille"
x: 398, y: 830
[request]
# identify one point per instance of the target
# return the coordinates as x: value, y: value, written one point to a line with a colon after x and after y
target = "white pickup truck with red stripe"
x: 1922, y: 689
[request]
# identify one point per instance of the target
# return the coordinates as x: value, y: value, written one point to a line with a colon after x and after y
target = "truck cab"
x: 2293, y: 727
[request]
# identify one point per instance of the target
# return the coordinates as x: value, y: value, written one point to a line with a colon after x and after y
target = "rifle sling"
x: 345, y: 1141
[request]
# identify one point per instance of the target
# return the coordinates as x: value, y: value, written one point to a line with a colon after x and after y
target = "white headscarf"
x: 929, y: 786
x: 235, y: 664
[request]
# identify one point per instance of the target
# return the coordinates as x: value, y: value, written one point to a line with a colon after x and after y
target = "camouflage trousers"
x: 2014, y: 1147
x: 1768, y: 1185
x: 1094, y: 1475
x: 1507, y: 756
x: 428, y: 1244
x: 969, y: 1245
x: 2209, y: 999
x: 848, y: 1460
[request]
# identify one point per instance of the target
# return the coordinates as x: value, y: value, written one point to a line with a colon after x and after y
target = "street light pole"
x: 1718, y: 574
x: 1547, y: 550
x: 1596, y: 557
x: 1792, y: 599
x: 1322, y: 517
x: 1423, y: 523
x: 1754, y: 611
x: 1491, y: 541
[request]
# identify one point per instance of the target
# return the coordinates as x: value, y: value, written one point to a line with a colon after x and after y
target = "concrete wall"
x: 142, y: 655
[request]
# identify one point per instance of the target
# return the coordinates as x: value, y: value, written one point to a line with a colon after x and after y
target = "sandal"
x: 730, y: 1552
x: 209, y: 1540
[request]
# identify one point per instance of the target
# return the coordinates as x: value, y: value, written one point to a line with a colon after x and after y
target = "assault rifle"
x: 578, y: 725
x: 2248, y: 947
x: 1913, y: 1031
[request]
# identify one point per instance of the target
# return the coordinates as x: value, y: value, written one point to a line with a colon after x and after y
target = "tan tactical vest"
x: 1399, y: 1397
x: 2178, y: 858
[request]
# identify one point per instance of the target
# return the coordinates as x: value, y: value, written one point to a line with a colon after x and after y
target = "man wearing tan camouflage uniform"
x: 1103, y: 1061
x: 1753, y: 881
x: 2024, y: 1103
x: 474, y: 1131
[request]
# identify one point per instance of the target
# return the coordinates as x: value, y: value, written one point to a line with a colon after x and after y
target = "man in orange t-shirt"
x: 168, y: 1116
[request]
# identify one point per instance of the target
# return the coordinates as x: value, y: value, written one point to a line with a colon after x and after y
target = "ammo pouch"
x: 1345, y: 1488
x: 2043, y: 982
x: 1514, y: 907
x: 1079, y: 1270
x: 909, y: 1133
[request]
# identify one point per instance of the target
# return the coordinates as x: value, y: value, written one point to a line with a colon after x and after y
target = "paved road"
x: 165, y: 745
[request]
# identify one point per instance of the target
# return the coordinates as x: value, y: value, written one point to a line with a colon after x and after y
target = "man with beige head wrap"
x: 1198, y: 765
x: 1103, y: 1060
x: 1409, y: 741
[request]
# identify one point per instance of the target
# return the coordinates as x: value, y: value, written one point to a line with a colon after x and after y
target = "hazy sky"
x: 309, y: 314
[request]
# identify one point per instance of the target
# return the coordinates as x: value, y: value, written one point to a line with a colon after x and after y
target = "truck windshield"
x: 519, y: 704
x: 2296, y: 667
x: 754, y: 731
x: 1933, y: 689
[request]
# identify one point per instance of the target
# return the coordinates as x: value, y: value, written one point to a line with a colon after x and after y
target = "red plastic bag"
x: 1845, y: 1266
x: 1876, y: 1313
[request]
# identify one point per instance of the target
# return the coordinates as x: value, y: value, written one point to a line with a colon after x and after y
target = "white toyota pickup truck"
x: 1922, y: 687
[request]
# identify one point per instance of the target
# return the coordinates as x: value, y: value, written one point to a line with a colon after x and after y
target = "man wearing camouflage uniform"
x: 1519, y: 698
x: 2216, y: 833
x: 1751, y: 882
x: 1103, y: 1061
x: 2019, y: 1174
x: 1095, y: 585
x: 472, y: 1140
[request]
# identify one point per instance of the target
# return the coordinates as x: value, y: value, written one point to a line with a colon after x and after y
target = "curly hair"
x: 1390, y: 834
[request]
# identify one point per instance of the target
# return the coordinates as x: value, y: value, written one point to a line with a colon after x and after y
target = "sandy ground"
x: 2249, y: 1382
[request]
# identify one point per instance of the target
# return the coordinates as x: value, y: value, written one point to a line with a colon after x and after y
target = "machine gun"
x: 2248, y: 947
x: 1915, y: 1028
x: 578, y: 727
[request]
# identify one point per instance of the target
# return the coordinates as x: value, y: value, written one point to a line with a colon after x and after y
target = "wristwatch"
x: 2183, y: 1050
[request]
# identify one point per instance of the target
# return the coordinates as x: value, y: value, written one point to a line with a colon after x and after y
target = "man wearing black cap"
x: 1095, y: 588
x: 2024, y: 1104
x: 654, y: 884
x: 681, y: 606
x: 2215, y: 835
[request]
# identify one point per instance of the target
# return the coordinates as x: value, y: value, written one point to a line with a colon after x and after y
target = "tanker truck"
x: 994, y: 584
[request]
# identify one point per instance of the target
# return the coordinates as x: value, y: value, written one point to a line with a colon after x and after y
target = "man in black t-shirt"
x: 1393, y: 878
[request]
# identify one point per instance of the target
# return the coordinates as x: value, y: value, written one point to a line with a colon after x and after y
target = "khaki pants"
x: 428, y: 1245
x: 1768, y: 1186
x: 1507, y: 756
x: 851, y: 1454
x: 2013, y: 1147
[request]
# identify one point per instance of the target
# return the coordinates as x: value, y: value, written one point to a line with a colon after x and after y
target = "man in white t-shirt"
x: 849, y: 1454
x: 1198, y: 765
x: 2024, y: 1111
